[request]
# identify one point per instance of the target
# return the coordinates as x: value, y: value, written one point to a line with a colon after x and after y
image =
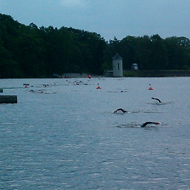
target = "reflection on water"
x: 67, y: 136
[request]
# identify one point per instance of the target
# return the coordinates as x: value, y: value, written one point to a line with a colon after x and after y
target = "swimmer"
x: 120, y: 109
x: 156, y: 99
x: 146, y: 123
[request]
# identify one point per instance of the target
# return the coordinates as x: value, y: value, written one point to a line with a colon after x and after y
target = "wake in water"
x: 148, y: 111
x: 139, y: 125
x: 117, y: 91
x: 122, y: 111
x: 157, y: 103
x: 41, y: 92
x: 126, y: 112
x: 9, y: 123
x: 129, y: 125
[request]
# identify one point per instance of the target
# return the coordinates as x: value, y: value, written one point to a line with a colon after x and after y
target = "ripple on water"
x: 71, y: 139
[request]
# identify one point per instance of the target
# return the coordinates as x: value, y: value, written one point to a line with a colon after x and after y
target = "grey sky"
x: 108, y: 18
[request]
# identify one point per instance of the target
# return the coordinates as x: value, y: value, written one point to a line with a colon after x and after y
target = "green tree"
x: 159, y: 53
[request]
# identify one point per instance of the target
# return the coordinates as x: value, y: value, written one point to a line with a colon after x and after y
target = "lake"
x: 63, y: 134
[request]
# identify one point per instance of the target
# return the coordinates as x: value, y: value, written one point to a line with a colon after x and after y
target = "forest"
x: 37, y: 52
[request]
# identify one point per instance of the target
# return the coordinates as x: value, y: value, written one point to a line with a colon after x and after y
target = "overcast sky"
x: 108, y: 18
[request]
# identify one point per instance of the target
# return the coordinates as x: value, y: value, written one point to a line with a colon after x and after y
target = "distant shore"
x: 158, y: 73
x: 127, y: 73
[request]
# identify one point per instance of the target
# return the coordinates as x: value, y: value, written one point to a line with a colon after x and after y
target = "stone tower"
x: 117, y: 62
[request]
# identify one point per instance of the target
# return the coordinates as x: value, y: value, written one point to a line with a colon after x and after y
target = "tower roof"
x: 117, y: 57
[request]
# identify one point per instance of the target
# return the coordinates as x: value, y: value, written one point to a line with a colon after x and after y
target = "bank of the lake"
x: 157, y: 73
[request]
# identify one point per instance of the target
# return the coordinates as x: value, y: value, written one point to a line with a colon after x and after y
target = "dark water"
x: 66, y: 136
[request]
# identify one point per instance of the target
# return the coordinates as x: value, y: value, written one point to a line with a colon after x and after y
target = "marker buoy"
x: 150, y: 88
x: 98, y: 87
x: 89, y: 76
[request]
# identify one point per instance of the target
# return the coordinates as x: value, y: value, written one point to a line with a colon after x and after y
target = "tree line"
x: 31, y: 51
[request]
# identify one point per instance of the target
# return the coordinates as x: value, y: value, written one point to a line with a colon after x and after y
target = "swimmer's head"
x: 156, y: 123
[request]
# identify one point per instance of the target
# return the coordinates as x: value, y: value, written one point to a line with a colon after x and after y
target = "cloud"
x: 74, y: 3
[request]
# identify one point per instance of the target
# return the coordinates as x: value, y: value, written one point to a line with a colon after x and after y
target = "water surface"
x: 63, y: 134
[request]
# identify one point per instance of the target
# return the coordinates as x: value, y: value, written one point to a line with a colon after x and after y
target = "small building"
x: 108, y: 73
x: 134, y: 67
x: 117, y: 62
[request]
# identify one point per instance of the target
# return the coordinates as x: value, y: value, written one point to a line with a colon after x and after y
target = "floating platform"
x: 8, y: 99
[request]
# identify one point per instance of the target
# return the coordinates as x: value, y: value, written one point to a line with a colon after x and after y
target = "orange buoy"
x: 98, y: 87
x: 150, y: 88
